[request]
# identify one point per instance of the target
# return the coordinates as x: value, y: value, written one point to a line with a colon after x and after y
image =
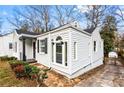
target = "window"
x: 43, y: 46
x: 94, y: 46
x: 75, y: 50
x: 15, y: 46
x: 10, y: 46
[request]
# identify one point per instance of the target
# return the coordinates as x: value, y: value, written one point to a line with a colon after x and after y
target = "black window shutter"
x: 37, y: 46
x: 45, y: 45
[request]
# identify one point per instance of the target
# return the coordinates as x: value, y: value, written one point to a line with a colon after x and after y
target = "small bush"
x: 14, y: 63
x: 6, y: 58
x: 28, y: 70
x: 12, y: 58
x: 31, y: 71
x: 34, y: 72
x: 19, y: 71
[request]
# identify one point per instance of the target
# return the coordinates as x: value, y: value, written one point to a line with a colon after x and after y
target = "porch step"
x: 31, y: 61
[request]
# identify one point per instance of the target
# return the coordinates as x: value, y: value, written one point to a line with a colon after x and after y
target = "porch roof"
x: 26, y: 32
x: 26, y: 37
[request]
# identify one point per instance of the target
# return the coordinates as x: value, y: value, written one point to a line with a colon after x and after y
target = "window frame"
x: 43, y: 44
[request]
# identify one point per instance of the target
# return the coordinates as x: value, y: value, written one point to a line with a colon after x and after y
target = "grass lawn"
x: 8, y: 79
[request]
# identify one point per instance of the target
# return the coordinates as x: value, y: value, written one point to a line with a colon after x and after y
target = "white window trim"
x: 75, y: 51
x: 40, y: 52
x: 63, y: 55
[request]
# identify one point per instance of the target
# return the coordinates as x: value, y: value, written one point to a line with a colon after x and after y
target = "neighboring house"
x: 68, y: 49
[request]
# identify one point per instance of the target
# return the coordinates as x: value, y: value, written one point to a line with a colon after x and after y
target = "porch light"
x: 53, y: 43
x: 62, y: 42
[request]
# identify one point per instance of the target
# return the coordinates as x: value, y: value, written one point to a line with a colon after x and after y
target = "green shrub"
x: 12, y: 58
x: 6, y: 58
x: 31, y: 71
x: 14, y: 63
x: 34, y: 72
x: 28, y: 70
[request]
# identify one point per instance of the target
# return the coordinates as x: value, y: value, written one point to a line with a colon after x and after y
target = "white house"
x: 68, y: 49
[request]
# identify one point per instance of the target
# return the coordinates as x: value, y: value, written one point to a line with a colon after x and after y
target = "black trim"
x: 37, y: 46
x: 45, y: 45
x: 23, y: 44
x: 34, y: 48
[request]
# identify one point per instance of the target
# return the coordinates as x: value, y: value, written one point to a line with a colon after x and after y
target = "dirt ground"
x: 57, y: 80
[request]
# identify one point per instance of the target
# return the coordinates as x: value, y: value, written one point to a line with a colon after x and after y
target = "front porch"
x: 31, y: 61
x: 28, y: 49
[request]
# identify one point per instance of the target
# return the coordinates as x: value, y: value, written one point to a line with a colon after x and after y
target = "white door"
x: 59, y: 53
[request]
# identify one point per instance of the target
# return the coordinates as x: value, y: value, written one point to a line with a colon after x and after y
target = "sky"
x: 7, y: 11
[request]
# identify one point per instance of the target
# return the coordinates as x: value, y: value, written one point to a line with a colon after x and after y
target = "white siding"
x: 83, y: 57
x: 44, y: 58
x: 97, y: 55
x: 1, y: 46
x: 4, y: 47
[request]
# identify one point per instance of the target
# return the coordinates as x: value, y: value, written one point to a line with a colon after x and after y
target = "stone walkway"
x: 111, y: 75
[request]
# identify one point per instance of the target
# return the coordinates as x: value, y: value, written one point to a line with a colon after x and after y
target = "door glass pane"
x: 59, y: 53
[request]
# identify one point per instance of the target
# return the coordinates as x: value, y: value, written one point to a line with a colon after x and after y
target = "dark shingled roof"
x: 26, y: 32
x: 89, y: 30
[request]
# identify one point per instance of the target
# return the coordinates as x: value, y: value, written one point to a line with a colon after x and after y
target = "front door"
x: 59, y: 53
x: 34, y: 54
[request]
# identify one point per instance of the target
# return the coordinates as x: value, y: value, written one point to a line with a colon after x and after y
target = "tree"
x: 64, y: 14
x: 44, y: 14
x: 122, y: 41
x: 26, y: 16
x: 95, y: 15
x: 108, y: 33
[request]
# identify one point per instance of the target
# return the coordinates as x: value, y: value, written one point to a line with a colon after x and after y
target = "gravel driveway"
x: 112, y: 75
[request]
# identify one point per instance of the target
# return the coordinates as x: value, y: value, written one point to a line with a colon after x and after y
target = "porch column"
x: 23, y: 46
